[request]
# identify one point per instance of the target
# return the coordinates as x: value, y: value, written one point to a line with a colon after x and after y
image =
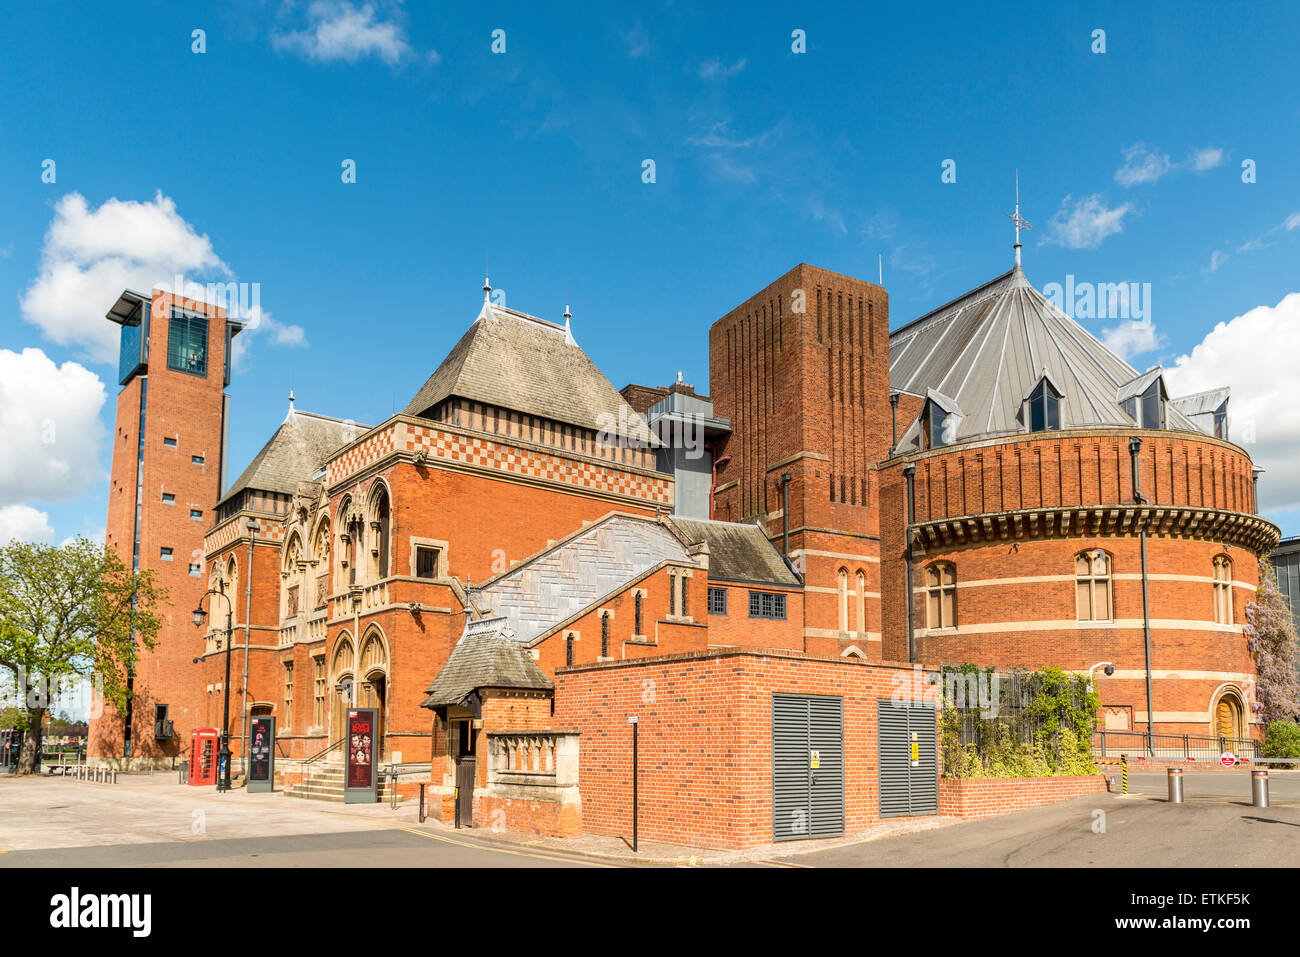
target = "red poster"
x: 361, y: 749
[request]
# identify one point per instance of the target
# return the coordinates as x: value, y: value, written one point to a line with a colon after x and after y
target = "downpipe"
x: 1134, y: 448
x: 909, y: 472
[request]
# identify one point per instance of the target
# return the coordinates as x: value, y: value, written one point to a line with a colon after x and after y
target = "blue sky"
x: 227, y: 163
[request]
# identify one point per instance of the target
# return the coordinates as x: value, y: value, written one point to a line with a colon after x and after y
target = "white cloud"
x: 1292, y: 222
x: 338, y: 30
x: 1217, y: 259
x: 25, y: 524
x: 1142, y: 165
x: 1085, y: 222
x: 90, y: 256
x: 1206, y: 159
x: 259, y: 321
x: 1132, y: 337
x: 912, y: 258
x: 1255, y: 354
x: 715, y: 69
x: 724, y: 168
x: 50, y: 431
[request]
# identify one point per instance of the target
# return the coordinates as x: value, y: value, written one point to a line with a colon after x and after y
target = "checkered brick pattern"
x: 484, y: 453
x: 363, y: 454
x: 473, y: 450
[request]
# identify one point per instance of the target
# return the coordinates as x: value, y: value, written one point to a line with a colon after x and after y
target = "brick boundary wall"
x: 970, y: 798
x: 705, y: 759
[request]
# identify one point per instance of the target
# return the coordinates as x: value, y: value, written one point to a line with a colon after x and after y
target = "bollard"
x: 1175, y: 785
x: 1259, y: 788
x: 1123, y: 772
x: 422, y: 802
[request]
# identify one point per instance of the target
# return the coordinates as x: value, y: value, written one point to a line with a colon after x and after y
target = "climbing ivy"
x: 1024, y: 724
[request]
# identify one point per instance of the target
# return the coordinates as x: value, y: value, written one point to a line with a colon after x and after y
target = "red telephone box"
x: 203, y: 756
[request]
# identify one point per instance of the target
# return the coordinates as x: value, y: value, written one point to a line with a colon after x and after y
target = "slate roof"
x: 487, y: 656
x: 516, y: 361
x: 577, y: 573
x: 738, y: 551
x: 301, y: 445
x: 988, y: 348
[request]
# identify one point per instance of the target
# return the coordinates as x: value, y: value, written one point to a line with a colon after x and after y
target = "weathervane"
x: 1020, y: 221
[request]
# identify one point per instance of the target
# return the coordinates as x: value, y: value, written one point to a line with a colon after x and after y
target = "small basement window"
x: 168, y: 498
x: 165, y: 554
x: 169, y: 441
x: 196, y: 459
x: 196, y: 514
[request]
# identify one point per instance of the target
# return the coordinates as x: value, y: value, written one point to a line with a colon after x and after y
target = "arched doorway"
x: 342, y: 685
x: 1228, y: 716
x: 372, y: 688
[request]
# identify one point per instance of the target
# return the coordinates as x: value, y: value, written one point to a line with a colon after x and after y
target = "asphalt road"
x: 143, y: 823
x: 1215, y: 827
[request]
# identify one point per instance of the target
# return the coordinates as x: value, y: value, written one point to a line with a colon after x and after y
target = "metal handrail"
x: 323, y: 751
x: 392, y: 771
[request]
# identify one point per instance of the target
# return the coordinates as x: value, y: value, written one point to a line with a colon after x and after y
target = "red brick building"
x: 498, y: 572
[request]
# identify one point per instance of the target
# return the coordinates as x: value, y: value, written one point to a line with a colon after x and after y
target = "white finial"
x: 487, y: 288
x: 1020, y: 221
x: 680, y: 375
x: 290, y: 413
x: 568, y: 331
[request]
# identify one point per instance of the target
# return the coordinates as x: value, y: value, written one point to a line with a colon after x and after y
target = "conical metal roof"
x: 988, y: 349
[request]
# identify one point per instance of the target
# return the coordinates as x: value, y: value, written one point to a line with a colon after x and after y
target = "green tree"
x: 1270, y: 634
x: 65, y: 612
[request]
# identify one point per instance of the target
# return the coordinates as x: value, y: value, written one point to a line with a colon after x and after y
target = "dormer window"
x: 1143, y: 400
x: 1043, y: 410
x: 939, y: 421
x: 1151, y: 406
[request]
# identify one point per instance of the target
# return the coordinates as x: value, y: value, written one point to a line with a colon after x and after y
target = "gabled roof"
x: 487, y: 656
x: 301, y: 445
x: 1202, y: 403
x: 988, y: 348
x: 516, y: 361
x: 1137, y: 385
x: 738, y: 551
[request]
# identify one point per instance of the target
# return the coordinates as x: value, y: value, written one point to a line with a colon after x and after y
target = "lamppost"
x: 199, y: 615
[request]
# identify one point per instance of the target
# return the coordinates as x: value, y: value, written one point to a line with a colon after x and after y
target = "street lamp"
x: 199, y: 615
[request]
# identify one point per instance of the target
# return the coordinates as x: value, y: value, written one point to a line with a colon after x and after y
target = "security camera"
x: 1110, y: 670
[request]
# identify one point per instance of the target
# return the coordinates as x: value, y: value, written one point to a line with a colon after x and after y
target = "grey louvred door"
x: 807, y: 766
x: 908, y: 754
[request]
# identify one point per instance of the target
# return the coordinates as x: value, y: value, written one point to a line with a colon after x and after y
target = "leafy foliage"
x: 1042, y: 726
x: 1282, y: 740
x: 1271, y: 637
x: 66, y: 612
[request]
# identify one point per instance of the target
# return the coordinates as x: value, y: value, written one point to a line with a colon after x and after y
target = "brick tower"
x: 802, y: 371
x: 167, y: 474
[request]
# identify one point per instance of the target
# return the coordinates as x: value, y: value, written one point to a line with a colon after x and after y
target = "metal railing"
x: 392, y: 772
x: 1176, y: 747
